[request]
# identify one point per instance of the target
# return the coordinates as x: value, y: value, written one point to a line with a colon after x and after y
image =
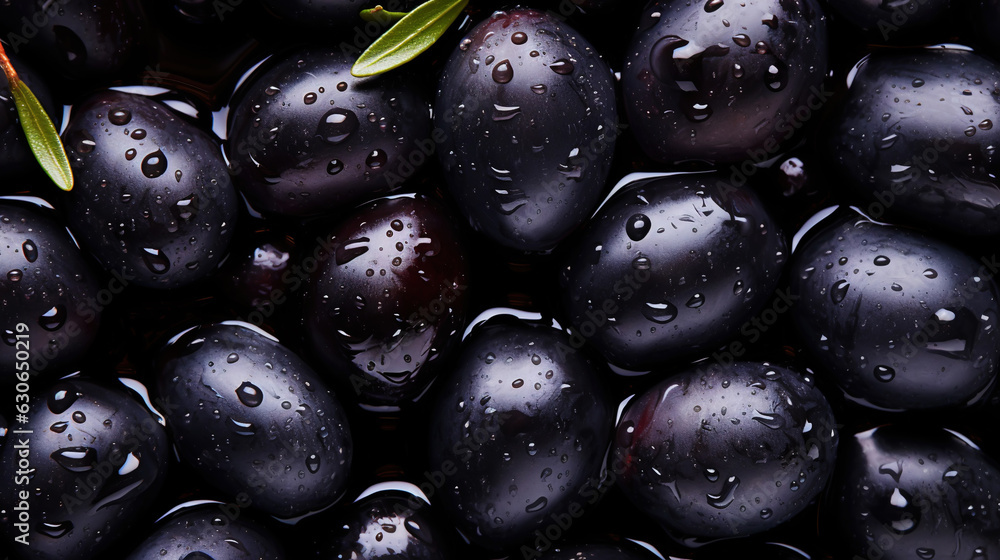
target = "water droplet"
x: 711, y: 475
x: 839, y: 290
x: 154, y: 164
x: 155, y: 260
x: 14, y: 275
x: 62, y: 398
x: 503, y: 72
x: 54, y: 530
x: 335, y: 166
x: 896, y: 287
x: 376, y: 159
x: 178, y: 174
x: 986, y: 124
x: 272, y: 90
x: 970, y: 131
x: 726, y: 495
x: 917, y: 82
x: 79, y: 417
x: 925, y: 553
x: 53, y: 319
x: 713, y: 5
x: 742, y: 40
x: 881, y: 260
x: 738, y: 71
x: 241, y: 428
x: 696, y: 301
x: 738, y: 288
x: 29, y: 250
x: 309, y: 98
x: 519, y: 38
x: 130, y: 154
x: 138, y: 134
x: 313, y: 463
x: 249, y: 394
x: 75, y: 459
x: 930, y: 273
x: 84, y: 142
x: 772, y: 421
x: 661, y: 313
x: 337, y: 125
x: 539, y: 89
x: 766, y: 513
x: 537, y: 505
x: 637, y: 227
x: 884, y: 374
x: 562, y: 67
x: 641, y: 263
x: 119, y: 116
x: 777, y: 76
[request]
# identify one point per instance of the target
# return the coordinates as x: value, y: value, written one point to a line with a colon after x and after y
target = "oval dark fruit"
x: 386, y: 524
x: 914, y: 138
x: 307, y: 138
x: 519, y: 432
x: 724, y: 82
x: 48, y: 293
x: 726, y: 451
x: 529, y: 121
x: 96, y: 459
x: 209, y: 531
x: 916, y: 493
x: 386, y: 303
x: 899, y: 319
x: 669, y: 267
x: 153, y: 200
x: 250, y: 416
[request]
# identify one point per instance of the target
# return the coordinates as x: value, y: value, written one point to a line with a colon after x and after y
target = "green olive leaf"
x: 42, y: 135
x: 411, y: 35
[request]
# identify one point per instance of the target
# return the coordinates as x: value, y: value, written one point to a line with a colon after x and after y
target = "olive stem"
x: 8, y: 68
x: 381, y: 15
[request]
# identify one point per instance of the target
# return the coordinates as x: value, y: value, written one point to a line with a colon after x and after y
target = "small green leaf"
x: 378, y: 14
x: 42, y: 135
x: 412, y: 35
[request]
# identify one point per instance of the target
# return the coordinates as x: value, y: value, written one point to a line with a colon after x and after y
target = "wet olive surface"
x: 264, y: 278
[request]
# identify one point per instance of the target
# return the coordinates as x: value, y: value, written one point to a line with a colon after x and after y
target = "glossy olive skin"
x: 386, y: 525
x: 100, y: 458
x: 528, y: 111
x: 307, y: 138
x: 15, y: 154
x: 387, y: 303
x: 726, y: 451
x: 48, y: 285
x: 519, y: 432
x: 211, y: 531
x: 594, y: 552
x: 911, y: 21
x: 153, y: 200
x: 669, y: 267
x: 74, y: 43
x: 913, y: 157
x: 904, y: 492
x: 900, y: 320
x: 722, y: 82
x: 252, y: 417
